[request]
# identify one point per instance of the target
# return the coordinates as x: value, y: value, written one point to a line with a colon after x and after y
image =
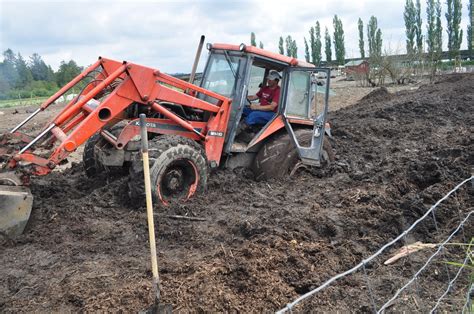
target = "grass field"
x: 22, y: 102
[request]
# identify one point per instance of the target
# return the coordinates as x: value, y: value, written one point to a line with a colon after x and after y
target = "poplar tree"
x: 312, y: 43
x: 361, y: 38
x: 439, y: 29
x: 317, y: 44
x: 418, y: 30
x: 374, y: 37
x: 253, y: 41
x: 470, y: 38
x: 410, y: 26
x: 339, y: 40
x: 434, y: 33
x: 291, y: 48
x: 281, y: 49
x: 306, y: 51
x: 260, y: 45
x: 430, y: 26
x: 453, y: 21
x: 327, y: 47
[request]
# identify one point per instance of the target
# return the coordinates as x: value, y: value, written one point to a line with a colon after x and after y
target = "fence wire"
x: 461, y: 268
x: 389, y: 302
x: 289, y: 306
x: 467, y: 308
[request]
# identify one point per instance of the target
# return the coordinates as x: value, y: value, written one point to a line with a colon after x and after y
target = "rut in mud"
x: 262, y: 243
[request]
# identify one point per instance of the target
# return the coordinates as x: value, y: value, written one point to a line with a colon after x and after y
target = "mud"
x: 262, y: 244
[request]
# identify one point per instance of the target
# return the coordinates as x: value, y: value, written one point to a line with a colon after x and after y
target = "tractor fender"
x: 271, y: 128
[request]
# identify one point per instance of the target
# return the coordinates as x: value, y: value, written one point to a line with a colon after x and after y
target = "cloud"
x: 165, y: 34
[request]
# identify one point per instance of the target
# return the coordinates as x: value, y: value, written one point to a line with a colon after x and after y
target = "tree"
x: 410, y: 26
x: 470, y: 38
x: 315, y: 41
x: 327, y: 46
x: 7, y: 68
x: 66, y: 72
x: 4, y: 86
x: 316, y: 54
x: 306, y: 51
x: 439, y: 29
x: 253, y: 42
x: 453, y: 21
x: 374, y: 37
x: 434, y: 29
x: 378, y: 42
x: 260, y: 45
x: 434, y: 33
x: 281, y: 50
x: 418, y: 30
x: 24, y: 74
x: 339, y: 40
x: 291, y: 48
x: 39, y: 69
x: 312, y: 42
x: 360, y: 25
x: 294, y: 49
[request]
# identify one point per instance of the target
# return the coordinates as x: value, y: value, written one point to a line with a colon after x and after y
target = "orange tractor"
x: 192, y: 127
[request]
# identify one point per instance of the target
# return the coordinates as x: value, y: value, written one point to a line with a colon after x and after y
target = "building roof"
x: 354, y: 63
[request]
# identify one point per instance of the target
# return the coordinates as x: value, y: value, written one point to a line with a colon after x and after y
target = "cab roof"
x: 263, y: 53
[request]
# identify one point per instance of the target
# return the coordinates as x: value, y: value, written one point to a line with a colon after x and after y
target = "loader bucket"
x: 15, y: 209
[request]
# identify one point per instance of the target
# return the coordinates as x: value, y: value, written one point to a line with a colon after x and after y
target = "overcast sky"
x: 165, y: 34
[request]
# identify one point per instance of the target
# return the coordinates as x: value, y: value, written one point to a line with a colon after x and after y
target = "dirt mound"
x: 262, y: 244
x: 377, y: 95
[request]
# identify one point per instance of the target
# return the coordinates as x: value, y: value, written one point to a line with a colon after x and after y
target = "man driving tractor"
x: 268, y: 96
x: 259, y: 114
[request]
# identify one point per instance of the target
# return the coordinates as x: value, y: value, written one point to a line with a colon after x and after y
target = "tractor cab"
x: 239, y: 71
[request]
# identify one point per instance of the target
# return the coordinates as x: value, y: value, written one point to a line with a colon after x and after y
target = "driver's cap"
x: 273, y: 75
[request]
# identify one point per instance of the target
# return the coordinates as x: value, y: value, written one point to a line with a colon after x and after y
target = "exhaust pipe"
x: 196, y: 60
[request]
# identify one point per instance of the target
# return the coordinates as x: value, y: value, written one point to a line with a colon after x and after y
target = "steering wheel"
x: 249, y: 103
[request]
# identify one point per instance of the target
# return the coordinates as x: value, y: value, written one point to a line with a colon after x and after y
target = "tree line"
x: 417, y: 42
x: 20, y: 78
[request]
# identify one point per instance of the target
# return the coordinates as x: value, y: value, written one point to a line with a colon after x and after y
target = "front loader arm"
x: 113, y: 87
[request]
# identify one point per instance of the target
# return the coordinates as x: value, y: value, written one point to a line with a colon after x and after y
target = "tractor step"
x: 15, y: 209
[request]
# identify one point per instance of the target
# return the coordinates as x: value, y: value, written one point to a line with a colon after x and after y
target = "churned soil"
x: 259, y: 245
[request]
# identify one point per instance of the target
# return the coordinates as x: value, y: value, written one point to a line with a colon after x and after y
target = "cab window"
x: 221, y: 75
x: 297, y: 102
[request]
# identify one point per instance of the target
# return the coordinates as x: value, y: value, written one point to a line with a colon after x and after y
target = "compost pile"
x: 259, y: 245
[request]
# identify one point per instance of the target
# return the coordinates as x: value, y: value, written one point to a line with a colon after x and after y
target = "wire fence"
x: 469, y: 296
x: 363, y: 264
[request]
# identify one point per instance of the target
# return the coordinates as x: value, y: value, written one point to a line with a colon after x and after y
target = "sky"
x: 165, y: 34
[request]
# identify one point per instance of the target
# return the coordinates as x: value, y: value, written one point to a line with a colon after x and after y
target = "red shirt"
x: 268, y: 95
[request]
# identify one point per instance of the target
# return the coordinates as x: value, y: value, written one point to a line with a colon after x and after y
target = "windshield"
x: 221, y: 75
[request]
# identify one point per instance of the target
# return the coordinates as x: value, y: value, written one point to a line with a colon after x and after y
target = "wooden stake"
x: 149, y: 207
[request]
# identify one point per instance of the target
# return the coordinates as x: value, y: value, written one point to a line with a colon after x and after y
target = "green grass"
x: 9, y: 103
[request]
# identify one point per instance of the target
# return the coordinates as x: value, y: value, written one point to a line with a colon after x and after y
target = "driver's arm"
x: 269, y: 107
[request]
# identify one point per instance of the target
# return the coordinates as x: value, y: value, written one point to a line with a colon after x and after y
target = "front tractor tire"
x: 279, y: 156
x: 179, y: 171
x: 92, y: 165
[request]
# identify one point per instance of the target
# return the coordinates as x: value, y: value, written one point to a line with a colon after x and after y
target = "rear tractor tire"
x: 178, y: 171
x: 279, y: 156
